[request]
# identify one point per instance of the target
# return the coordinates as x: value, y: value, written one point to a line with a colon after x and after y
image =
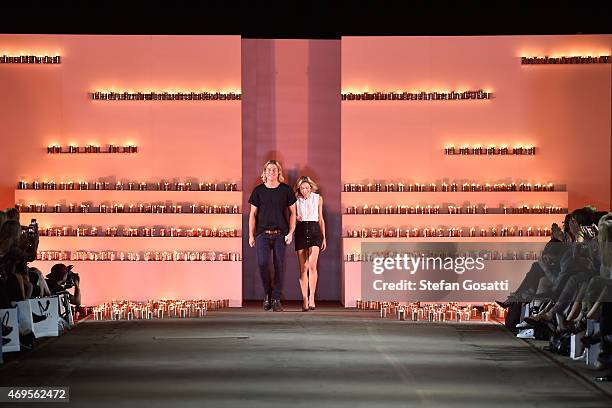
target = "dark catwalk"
x: 327, y: 358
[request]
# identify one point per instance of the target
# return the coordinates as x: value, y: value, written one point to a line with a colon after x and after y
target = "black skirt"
x: 307, y: 234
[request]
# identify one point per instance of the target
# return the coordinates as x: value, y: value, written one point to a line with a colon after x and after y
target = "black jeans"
x: 265, y: 243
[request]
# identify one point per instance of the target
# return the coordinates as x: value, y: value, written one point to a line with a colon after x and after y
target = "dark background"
x: 307, y: 19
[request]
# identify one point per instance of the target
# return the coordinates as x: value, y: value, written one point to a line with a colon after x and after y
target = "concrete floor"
x: 327, y: 358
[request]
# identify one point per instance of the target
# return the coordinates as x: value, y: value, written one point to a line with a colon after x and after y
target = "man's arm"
x: 292, y: 219
x: 252, y: 221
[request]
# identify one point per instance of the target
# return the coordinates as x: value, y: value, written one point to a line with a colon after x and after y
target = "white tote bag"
x: 45, y: 316
x: 39, y: 316
x: 10, y: 330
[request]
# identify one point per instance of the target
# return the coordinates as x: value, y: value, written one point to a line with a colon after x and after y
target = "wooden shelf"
x: 496, y: 199
x: 128, y: 196
x: 133, y: 244
x: 347, y: 240
x: 134, y: 219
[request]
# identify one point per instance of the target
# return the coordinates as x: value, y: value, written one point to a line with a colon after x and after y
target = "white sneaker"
x: 526, y: 334
x: 523, y: 325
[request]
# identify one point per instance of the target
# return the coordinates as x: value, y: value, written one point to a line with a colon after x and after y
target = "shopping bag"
x: 45, y: 316
x: 10, y: 330
x: 24, y: 316
x: 39, y: 316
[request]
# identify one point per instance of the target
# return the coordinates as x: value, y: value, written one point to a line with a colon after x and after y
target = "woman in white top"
x: 309, y: 237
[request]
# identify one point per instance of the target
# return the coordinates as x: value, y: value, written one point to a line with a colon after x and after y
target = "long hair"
x: 304, y: 179
x: 278, y: 166
x: 605, y: 240
x: 10, y: 232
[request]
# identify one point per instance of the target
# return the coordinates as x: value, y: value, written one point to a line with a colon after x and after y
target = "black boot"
x: 267, y: 304
x: 276, y: 305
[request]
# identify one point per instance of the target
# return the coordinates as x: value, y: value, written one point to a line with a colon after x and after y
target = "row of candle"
x: 433, y: 312
x: 486, y: 255
x: 138, y: 232
x: 414, y: 96
x: 119, y: 185
x: 137, y: 256
x: 166, y: 96
x: 490, y: 150
x: 602, y: 59
x: 55, y: 149
x: 30, y: 59
x: 447, y: 232
x: 129, y: 310
x: 129, y: 208
x: 451, y: 209
x: 446, y: 187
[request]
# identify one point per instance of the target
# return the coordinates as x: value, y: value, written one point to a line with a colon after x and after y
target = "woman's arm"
x: 322, y: 224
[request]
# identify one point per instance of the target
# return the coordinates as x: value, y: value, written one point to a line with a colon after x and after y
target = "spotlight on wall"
x: 566, y: 60
x: 165, y: 96
x: 29, y: 59
x: 415, y: 96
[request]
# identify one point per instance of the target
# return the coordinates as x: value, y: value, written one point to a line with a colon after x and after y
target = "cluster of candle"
x: 602, y: 59
x: 392, y: 209
x: 166, y: 96
x: 156, y: 309
x: 451, y: 209
x: 29, y: 59
x: 487, y: 255
x: 415, y: 96
x: 445, y: 187
x: 536, y: 209
x: 450, y: 312
x: 490, y: 150
x: 137, y: 256
x: 129, y: 208
x: 391, y: 232
x: 141, y: 186
x: 55, y: 149
x: 137, y: 232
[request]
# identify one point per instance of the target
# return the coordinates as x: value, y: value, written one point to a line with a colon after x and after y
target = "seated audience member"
x: 2, y: 217
x: 39, y: 284
x: 12, y: 214
x: 13, y: 263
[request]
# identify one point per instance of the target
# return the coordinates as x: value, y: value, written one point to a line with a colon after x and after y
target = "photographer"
x: 61, y: 279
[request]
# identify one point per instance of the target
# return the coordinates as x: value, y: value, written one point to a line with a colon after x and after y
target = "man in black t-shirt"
x: 269, y: 230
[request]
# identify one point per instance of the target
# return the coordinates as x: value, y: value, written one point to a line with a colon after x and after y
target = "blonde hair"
x: 305, y: 179
x: 605, y: 240
x: 278, y: 166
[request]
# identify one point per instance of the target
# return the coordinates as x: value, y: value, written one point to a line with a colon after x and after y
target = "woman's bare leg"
x: 313, y: 257
x: 303, y: 263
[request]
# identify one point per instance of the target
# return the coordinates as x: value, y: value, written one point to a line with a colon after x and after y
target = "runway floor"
x: 327, y: 358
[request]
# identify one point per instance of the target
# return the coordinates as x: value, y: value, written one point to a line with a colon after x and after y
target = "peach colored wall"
x: 563, y: 110
x: 43, y: 104
x: 291, y: 112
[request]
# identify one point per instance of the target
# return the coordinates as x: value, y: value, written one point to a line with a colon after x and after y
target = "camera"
x: 71, y: 278
x: 33, y: 227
